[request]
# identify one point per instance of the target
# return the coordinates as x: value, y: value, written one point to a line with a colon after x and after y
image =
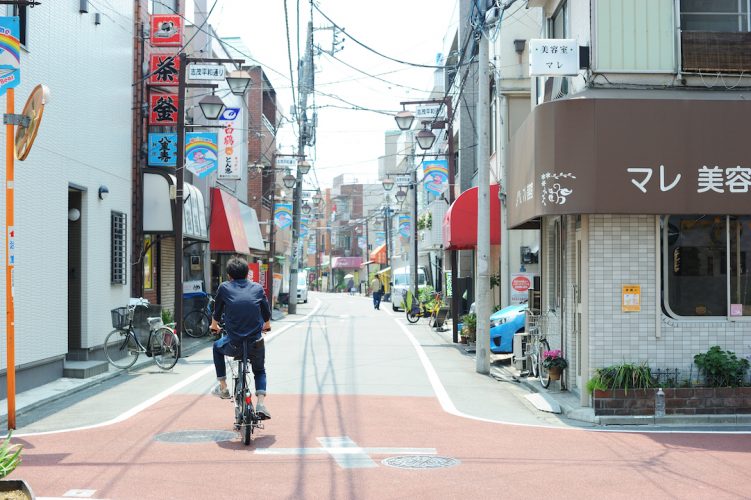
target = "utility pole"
x: 482, y: 284
x: 305, y: 86
x: 413, y: 252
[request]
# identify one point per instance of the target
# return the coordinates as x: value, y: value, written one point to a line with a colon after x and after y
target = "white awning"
x: 158, y: 204
x: 252, y: 228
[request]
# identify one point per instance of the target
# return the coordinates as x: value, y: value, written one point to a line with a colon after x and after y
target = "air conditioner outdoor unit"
x: 519, y: 346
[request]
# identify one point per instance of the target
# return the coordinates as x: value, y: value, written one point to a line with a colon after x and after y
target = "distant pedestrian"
x: 351, y: 286
x: 377, y: 290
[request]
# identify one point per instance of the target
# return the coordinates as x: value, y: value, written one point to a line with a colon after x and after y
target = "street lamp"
x: 211, y: 106
x: 303, y: 167
x: 306, y: 208
x: 289, y: 181
x: 404, y: 119
x: 425, y: 138
x: 388, y: 184
x: 317, y: 199
x: 239, y: 81
x: 401, y: 196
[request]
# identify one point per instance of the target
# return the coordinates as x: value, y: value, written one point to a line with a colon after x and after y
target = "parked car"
x: 302, y: 289
x: 503, y: 325
x: 401, y: 280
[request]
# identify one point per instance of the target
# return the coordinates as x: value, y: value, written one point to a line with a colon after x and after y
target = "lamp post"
x: 404, y: 120
x: 209, y: 106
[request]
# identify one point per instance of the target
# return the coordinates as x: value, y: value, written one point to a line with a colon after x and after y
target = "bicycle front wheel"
x: 121, y: 349
x: 164, y: 348
x: 533, y: 357
x: 541, y: 369
x: 196, y: 324
x: 412, y: 316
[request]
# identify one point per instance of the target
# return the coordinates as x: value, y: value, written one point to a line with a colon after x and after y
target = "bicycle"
x: 197, y: 322
x: 246, y: 418
x: 122, y: 346
x: 415, y: 309
x: 537, y: 344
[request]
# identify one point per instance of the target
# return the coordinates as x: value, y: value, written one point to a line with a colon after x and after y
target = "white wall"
x: 84, y: 139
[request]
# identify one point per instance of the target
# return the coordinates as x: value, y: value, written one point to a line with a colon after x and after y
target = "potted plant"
x: 10, y: 457
x: 469, y: 326
x: 555, y: 363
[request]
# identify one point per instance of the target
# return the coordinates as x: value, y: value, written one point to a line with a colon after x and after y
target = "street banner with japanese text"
x: 254, y: 272
x: 201, y: 153
x: 230, y: 141
x: 380, y: 238
x: 163, y: 109
x: 404, y: 226
x: 10, y: 53
x: 312, y: 246
x: 283, y: 215
x: 162, y: 150
x: 436, y: 176
x: 166, y: 30
x: 163, y: 69
x: 304, y: 222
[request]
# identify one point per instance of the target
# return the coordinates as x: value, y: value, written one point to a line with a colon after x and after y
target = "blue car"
x: 503, y: 325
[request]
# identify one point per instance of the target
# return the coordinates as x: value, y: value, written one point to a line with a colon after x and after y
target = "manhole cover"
x: 199, y: 436
x: 420, y: 462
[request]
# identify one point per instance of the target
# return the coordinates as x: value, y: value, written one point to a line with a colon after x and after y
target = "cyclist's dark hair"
x: 237, y: 268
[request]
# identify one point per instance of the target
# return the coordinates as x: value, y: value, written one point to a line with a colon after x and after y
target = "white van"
x: 302, y: 288
x: 401, y: 279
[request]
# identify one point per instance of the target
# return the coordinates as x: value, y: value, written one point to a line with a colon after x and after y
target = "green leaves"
x: 623, y: 376
x: 721, y: 368
x: 10, y: 456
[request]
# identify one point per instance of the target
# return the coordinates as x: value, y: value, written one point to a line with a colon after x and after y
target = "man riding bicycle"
x: 246, y: 315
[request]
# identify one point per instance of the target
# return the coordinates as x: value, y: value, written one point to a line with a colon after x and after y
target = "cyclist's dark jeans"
x: 377, y: 299
x: 256, y: 355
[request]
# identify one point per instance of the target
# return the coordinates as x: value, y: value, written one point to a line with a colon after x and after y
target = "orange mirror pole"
x: 9, y: 263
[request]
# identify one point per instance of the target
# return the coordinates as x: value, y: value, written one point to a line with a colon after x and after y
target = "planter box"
x: 692, y: 401
x: 16, y: 486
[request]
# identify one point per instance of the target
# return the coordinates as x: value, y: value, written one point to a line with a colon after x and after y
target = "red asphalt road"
x: 124, y: 461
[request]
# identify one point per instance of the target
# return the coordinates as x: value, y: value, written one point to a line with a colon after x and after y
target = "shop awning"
x: 623, y: 151
x: 367, y: 263
x: 227, y: 229
x: 379, y: 255
x: 346, y: 262
x: 460, y: 221
x: 384, y: 271
x: 252, y: 228
x: 158, y: 207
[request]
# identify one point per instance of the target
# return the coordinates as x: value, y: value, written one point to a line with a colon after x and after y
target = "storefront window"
x: 707, y: 262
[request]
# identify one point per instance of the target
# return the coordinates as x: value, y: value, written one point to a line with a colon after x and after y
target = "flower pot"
x: 17, y: 487
x: 555, y: 372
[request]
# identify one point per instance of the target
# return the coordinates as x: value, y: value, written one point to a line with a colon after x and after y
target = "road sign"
x: 402, y: 180
x: 206, y: 72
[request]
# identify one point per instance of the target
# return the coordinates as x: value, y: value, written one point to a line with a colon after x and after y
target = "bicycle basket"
x: 120, y: 317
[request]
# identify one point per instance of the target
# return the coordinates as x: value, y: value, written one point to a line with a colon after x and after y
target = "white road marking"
x: 79, y: 493
x: 346, y: 452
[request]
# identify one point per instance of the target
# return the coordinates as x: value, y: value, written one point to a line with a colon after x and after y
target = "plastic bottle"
x: 660, y: 403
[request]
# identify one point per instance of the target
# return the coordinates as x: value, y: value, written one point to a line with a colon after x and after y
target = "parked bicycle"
x: 122, y: 346
x: 197, y: 322
x: 416, y: 309
x: 246, y: 418
x: 537, y: 344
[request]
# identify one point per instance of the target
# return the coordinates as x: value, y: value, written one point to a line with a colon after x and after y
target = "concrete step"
x: 84, y: 369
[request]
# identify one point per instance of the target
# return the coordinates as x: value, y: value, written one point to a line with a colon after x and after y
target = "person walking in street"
x: 246, y: 314
x: 376, y: 289
x: 351, y: 286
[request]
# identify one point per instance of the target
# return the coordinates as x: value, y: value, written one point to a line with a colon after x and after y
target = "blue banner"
x: 201, y: 153
x: 283, y: 215
x: 404, y: 226
x: 436, y: 176
x: 10, y: 53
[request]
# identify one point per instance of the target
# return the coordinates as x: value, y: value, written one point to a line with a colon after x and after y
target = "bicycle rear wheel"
x: 542, y: 370
x: 246, y: 426
x: 412, y: 316
x: 164, y: 347
x: 196, y: 323
x: 121, y: 349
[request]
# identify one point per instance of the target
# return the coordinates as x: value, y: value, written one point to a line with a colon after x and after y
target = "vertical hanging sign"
x: 436, y: 176
x: 201, y: 153
x: 10, y: 54
x: 166, y: 30
x: 164, y: 69
x: 229, y: 147
x: 163, y: 109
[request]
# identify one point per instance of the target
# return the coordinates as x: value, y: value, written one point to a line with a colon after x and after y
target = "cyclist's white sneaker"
x: 262, y: 411
x: 224, y: 394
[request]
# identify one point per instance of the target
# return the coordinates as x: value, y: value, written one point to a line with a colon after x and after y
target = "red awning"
x: 379, y: 255
x: 460, y: 221
x: 226, y: 232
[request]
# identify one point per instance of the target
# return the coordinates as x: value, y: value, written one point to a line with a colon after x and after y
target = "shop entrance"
x: 74, y: 269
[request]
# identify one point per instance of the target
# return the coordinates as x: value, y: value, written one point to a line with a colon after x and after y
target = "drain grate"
x: 420, y: 462
x: 197, y: 436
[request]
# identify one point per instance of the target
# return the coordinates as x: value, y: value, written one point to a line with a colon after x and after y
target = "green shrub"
x: 721, y: 368
x: 166, y: 316
x: 623, y: 376
x: 10, y: 457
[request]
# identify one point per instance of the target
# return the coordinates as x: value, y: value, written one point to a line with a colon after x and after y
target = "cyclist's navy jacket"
x: 245, y: 308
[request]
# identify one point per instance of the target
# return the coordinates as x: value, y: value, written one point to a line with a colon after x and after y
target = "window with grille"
x: 119, y: 239
x: 715, y: 15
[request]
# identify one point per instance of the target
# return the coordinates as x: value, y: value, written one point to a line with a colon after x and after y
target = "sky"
x: 347, y: 141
